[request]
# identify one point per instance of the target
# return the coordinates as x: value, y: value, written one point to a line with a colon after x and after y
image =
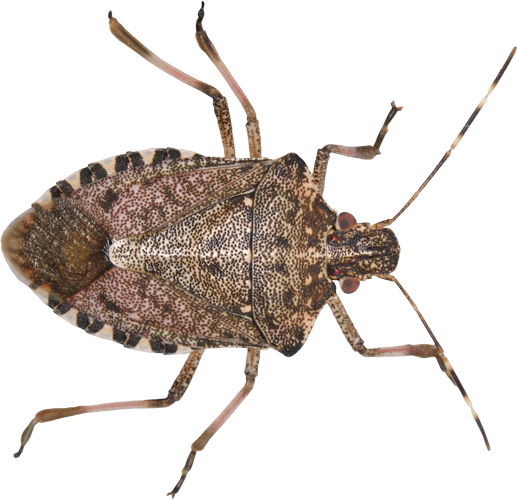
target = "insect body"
x: 168, y: 251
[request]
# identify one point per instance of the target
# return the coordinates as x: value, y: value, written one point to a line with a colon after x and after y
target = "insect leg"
x: 208, y: 48
x: 387, y: 222
x: 221, y: 109
x: 251, y: 372
x: 361, y: 152
x: 175, y: 394
x: 419, y: 350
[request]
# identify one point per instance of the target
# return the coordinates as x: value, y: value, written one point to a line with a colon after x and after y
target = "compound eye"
x: 349, y: 285
x: 345, y: 221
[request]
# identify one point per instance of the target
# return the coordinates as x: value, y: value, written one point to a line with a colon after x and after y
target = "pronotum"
x: 342, y: 169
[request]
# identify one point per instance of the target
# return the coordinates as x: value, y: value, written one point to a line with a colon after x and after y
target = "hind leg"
x: 222, y: 112
x: 175, y: 394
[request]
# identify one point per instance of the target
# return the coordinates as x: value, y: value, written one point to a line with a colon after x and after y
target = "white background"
x: 326, y: 423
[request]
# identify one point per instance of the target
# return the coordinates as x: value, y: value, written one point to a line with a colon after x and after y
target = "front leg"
x: 361, y: 152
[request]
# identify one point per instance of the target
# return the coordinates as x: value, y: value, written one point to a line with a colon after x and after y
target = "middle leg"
x: 361, y: 152
x: 251, y: 371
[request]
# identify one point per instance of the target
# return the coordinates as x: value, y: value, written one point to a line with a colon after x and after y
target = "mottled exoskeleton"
x: 168, y: 251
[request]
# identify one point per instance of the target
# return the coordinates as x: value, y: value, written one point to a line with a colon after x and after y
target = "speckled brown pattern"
x: 362, y: 252
x: 205, y: 252
x: 144, y: 200
x: 196, y: 219
x: 208, y: 254
x: 289, y: 278
x: 147, y: 306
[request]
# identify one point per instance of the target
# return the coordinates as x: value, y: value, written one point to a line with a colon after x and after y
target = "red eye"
x: 334, y: 237
x: 345, y: 221
x: 349, y: 285
x: 336, y: 271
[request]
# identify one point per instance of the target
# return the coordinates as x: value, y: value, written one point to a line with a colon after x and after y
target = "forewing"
x: 145, y: 196
x: 159, y: 315
x: 129, y: 195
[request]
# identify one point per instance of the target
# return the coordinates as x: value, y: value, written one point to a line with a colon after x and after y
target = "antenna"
x: 444, y: 363
x: 387, y: 222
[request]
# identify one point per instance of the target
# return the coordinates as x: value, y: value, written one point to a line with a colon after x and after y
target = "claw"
x: 26, y: 436
x: 184, y: 472
x: 201, y: 15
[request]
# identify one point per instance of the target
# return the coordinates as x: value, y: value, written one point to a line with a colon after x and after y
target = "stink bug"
x: 207, y: 414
